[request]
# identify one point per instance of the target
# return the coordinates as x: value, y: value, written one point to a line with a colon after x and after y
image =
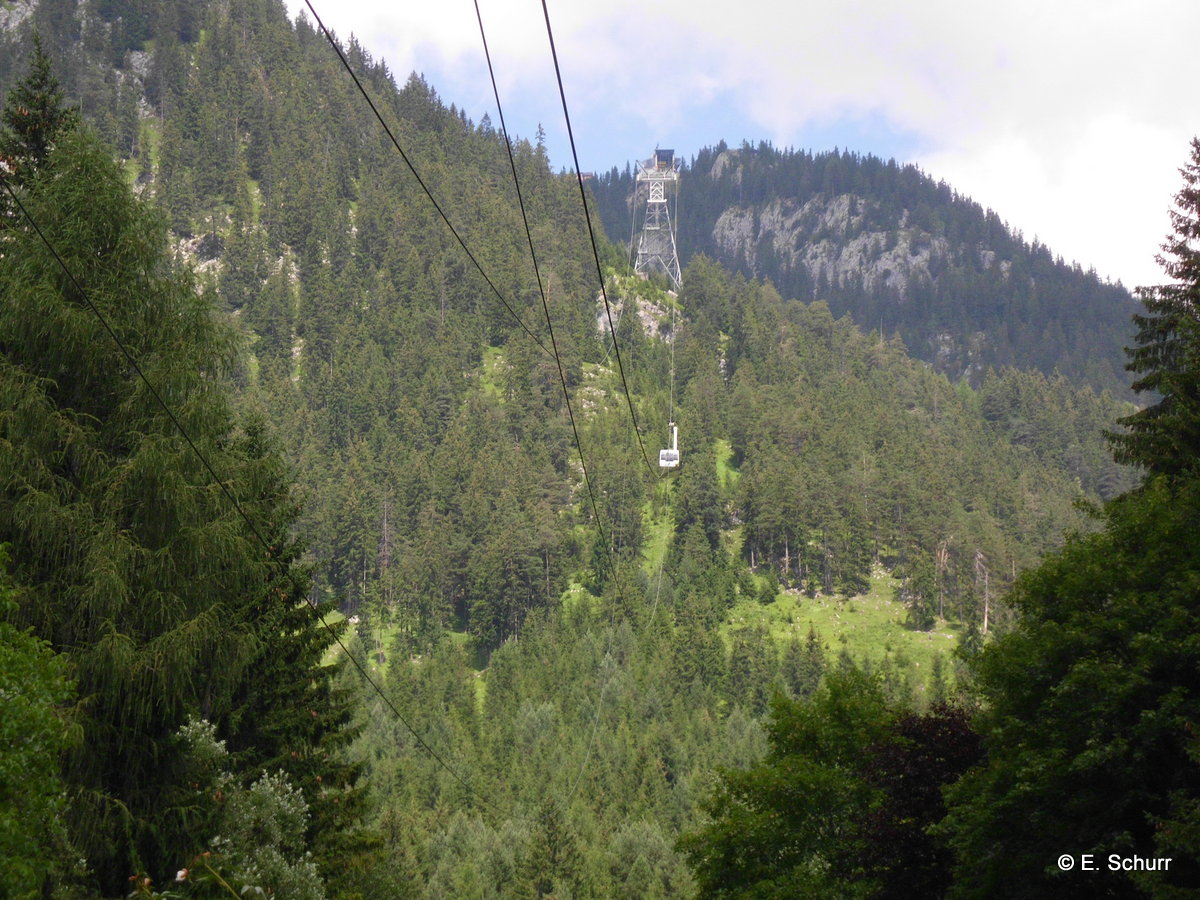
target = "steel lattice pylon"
x: 657, y: 177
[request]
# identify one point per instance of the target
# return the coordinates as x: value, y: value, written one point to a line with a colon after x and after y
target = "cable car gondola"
x: 668, y: 457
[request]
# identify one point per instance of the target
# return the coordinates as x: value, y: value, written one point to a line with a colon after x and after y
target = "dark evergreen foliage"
x: 841, y: 805
x: 578, y: 673
x: 34, y: 118
x: 140, y: 571
x: 957, y: 284
x: 1091, y: 709
x: 1164, y: 437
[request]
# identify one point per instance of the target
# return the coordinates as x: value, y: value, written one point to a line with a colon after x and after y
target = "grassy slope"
x: 870, y: 626
x: 493, y: 372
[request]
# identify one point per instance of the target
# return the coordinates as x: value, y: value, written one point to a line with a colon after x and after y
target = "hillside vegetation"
x: 899, y: 252
x: 569, y: 675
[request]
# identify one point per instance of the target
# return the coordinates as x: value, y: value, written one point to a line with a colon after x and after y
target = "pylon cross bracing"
x: 657, y: 180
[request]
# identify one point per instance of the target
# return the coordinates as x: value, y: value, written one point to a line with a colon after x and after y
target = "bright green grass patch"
x: 656, y: 530
x: 480, y: 684
x: 149, y: 134
x: 731, y: 540
x: 574, y: 595
x: 870, y: 627
x: 256, y: 199
x: 332, y: 618
x: 379, y: 646
x: 727, y: 474
x: 491, y: 377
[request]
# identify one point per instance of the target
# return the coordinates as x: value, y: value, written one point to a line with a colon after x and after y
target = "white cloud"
x: 1069, y: 118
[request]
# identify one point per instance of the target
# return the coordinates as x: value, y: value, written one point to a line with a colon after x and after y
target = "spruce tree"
x: 1164, y: 437
x: 158, y: 592
x: 33, y: 119
x: 552, y: 865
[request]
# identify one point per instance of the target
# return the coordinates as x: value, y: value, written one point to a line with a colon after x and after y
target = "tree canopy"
x: 1091, y: 703
x: 137, y: 568
x: 1164, y: 436
x: 585, y: 673
x: 34, y: 116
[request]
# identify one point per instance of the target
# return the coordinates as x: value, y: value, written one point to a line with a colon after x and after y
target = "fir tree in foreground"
x: 136, y: 567
x: 1164, y: 437
x: 1093, y: 706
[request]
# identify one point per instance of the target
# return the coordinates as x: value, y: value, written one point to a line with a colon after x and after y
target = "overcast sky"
x: 1069, y: 118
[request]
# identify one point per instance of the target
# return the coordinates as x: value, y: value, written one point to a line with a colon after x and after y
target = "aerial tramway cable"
x: 592, y: 235
x: 437, y: 206
x: 271, y: 551
x: 552, y: 350
x: 607, y: 658
x: 562, y: 378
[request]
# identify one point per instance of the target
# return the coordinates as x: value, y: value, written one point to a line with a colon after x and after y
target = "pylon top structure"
x: 657, y: 180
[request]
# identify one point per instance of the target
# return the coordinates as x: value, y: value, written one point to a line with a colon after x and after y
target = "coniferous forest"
x: 896, y: 251
x: 337, y: 562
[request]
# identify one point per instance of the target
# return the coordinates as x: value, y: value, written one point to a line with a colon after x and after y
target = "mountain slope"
x: 430, y: 434
x: 579, y: 695
x: 895, y: 250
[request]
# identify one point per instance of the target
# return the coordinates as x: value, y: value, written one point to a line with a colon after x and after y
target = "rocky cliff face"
x: 892, y: 248
x: 816, y: 236
x: 836, y: 240
x: 12, y: 15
